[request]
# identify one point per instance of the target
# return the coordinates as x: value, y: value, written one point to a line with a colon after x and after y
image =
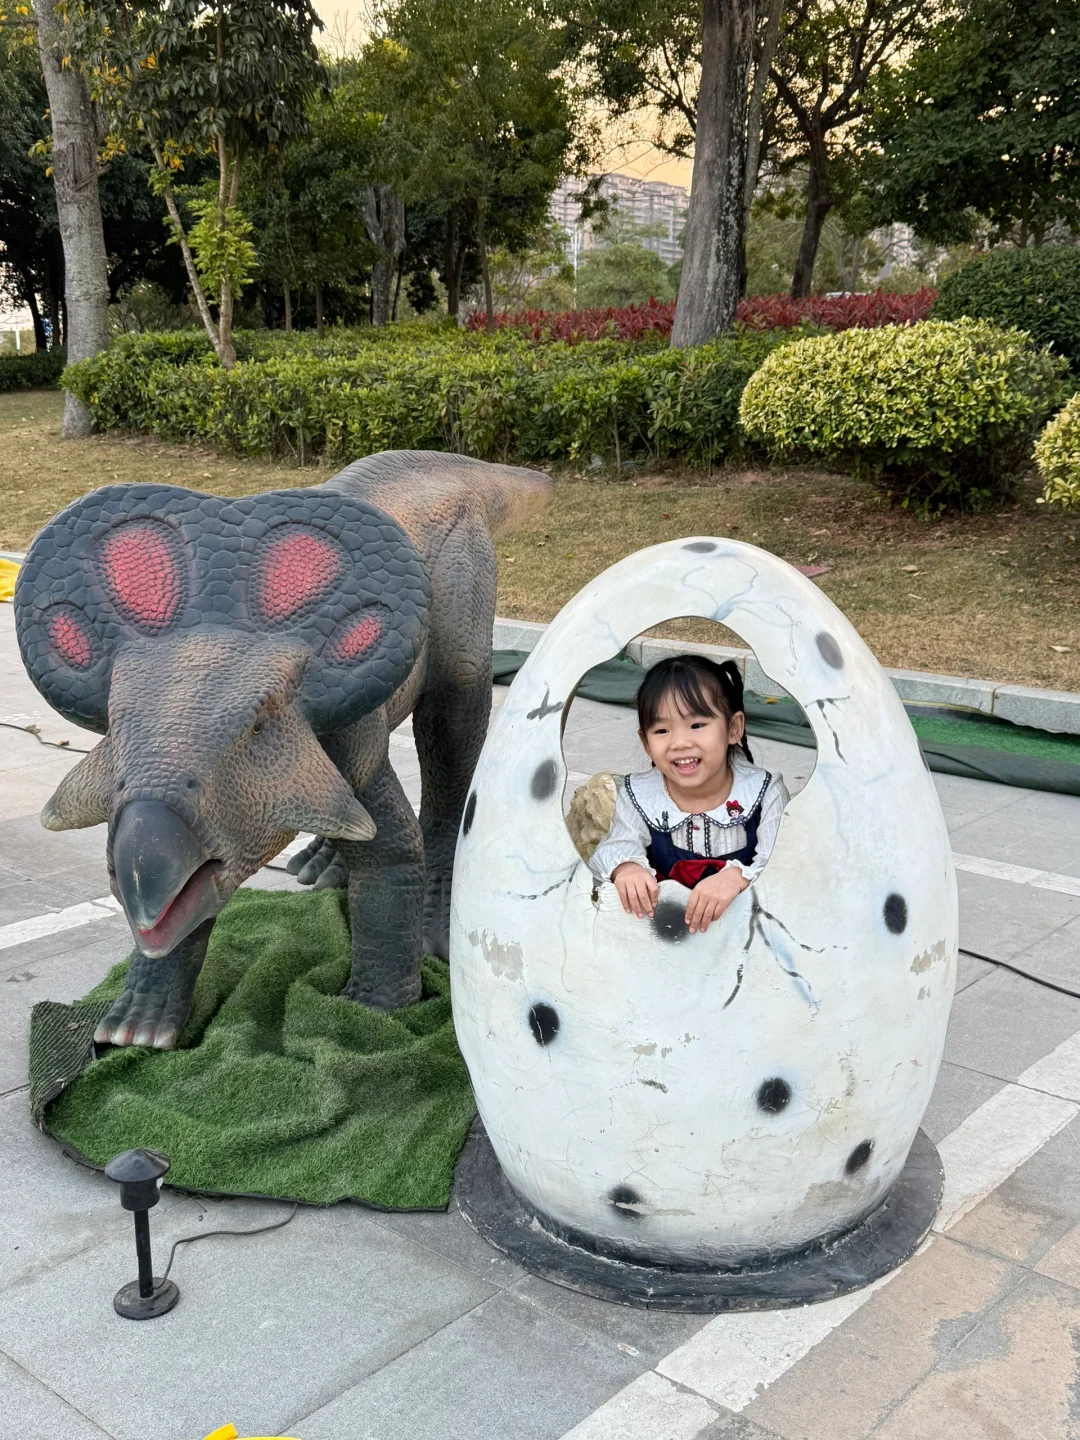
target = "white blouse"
x: 642, y: 801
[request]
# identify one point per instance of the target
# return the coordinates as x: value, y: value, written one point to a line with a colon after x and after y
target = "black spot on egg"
x: 858, y: 1157
x: 470, y: 814
x: 543, y: 780
x: 669, y: 921
x: 829, y: 650
x: 773, y: 1095
x: 624, y: 1199
x: 544, y: 1023
x: 895, y: 913
x: 701, y: 547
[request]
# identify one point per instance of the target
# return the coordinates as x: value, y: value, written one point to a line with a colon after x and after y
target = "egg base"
x: 878, y: 1244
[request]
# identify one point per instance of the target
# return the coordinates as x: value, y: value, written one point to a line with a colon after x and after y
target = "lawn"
x: 990, y: 595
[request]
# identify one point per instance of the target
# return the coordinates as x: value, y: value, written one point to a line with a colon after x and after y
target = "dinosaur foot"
x: 319, y: 864
x: 436, y: 933
x: 157, y: 1000
x: 383, y: 992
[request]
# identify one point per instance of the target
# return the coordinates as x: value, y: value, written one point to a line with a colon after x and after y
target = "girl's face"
x: 691, y: 750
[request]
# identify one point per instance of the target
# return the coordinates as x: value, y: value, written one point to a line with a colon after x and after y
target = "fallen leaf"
x: 812, y: 571
x: 1062, y: 649
x: 910, y: 569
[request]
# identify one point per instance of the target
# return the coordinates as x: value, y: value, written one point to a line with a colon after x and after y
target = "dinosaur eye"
x: 256, y: 729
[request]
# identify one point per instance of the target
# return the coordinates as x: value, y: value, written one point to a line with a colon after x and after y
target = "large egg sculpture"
x: 737, y: 1101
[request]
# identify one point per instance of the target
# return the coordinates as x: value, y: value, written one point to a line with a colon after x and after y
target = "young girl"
x: 705, y: 814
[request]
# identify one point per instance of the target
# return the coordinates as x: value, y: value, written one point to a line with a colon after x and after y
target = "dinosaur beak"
x: 165, y: 880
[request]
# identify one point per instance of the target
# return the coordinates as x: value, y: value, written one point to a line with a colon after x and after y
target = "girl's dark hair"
x: 698, y: 686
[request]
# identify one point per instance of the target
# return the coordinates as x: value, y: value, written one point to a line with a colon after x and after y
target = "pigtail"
x: 732, y: 682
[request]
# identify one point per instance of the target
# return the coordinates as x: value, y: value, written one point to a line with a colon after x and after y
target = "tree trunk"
x: 714, y: 257
x: 320, y: 327
x: 228, y: 190
x: 78, y: 207
x: 397, y: 285
x: 40, y: 341
x: 485, y: 268
x: 288, y: 305
x: 819, y: 201
x: 189, y: 259
x: 762, y: 66
x: 450, y: 270
x: 384, y: 216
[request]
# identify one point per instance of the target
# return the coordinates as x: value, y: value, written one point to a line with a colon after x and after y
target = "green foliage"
x: 941, y: 413
x: 621, y: 274
x: 424, y: 387
x: 39, y: 370
x: 1057, y: 456
x: 221, y: 244
x: 1037, y: 290
x: 980, y: 126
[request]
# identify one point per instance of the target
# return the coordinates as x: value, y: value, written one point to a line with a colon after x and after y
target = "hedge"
x: 1057, y: 456
x: 496, y: 398
x: 941, y: 414
x: 40, y: 370
x: 1037, y: 290
x: 653, y: 320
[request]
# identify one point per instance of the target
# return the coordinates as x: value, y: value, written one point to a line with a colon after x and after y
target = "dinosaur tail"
x: 509, y: 494
x: 425, y: 489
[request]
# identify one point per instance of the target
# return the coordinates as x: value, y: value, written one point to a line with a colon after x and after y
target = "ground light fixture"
x: 139, y: 1174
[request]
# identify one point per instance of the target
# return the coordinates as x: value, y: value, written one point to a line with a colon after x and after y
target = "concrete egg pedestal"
x: 718, y: 1121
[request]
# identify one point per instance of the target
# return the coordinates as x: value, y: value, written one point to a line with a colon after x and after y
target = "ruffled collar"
x: 650, y: 797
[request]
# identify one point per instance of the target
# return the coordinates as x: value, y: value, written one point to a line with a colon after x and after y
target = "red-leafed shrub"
x: 836, y: 312
x: 632, y: 322
x: 760, y: 312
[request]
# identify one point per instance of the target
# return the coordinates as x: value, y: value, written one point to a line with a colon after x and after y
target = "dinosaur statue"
x: 246, y: 660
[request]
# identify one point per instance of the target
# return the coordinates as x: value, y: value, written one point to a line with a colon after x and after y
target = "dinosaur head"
x: 213, y: 642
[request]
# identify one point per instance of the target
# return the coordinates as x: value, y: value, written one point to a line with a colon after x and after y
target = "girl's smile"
x: 691, y: 752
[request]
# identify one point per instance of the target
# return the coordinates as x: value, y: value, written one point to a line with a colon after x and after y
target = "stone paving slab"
x: 356, y: 1325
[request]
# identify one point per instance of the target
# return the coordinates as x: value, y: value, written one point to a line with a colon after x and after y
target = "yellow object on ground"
x: 8, y: 571
x: 228, y: 1432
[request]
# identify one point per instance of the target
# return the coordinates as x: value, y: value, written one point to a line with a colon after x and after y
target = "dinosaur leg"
x: 449, y: 725
x: 386, y: 897
x: 157, y: 999
x: 320, y: 865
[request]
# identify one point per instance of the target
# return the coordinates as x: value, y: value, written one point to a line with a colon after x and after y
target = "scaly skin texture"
x: 248, y: 660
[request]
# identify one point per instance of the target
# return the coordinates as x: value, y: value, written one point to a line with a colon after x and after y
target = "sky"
x: 345, y: 27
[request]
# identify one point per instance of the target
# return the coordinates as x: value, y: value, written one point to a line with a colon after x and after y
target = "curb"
x: 1055, y: 710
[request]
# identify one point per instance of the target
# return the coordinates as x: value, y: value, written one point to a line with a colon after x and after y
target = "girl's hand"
x: 710, y: 898
x: 637, y: 888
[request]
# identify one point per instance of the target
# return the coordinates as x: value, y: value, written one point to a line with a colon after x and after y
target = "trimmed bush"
x: 40, y: 370
x: 941, y: 414
x: 495, y: 397
x: 1033, y: 290
x: 1057, y: 455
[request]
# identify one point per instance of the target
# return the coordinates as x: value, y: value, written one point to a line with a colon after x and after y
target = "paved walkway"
x: 352, y: 1325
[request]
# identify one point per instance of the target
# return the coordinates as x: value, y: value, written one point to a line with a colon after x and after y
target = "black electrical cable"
x: 52, y: 744
x: 206, y: 1234
x: 1027, y: 975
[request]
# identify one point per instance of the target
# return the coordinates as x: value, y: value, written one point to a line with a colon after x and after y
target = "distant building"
x: 646, y: 202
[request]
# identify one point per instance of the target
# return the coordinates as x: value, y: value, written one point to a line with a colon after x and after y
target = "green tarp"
x: 279, y: 1085
x: 955, y: 741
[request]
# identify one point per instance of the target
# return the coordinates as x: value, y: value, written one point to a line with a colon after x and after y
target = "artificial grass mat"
x: 279, y: 1086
